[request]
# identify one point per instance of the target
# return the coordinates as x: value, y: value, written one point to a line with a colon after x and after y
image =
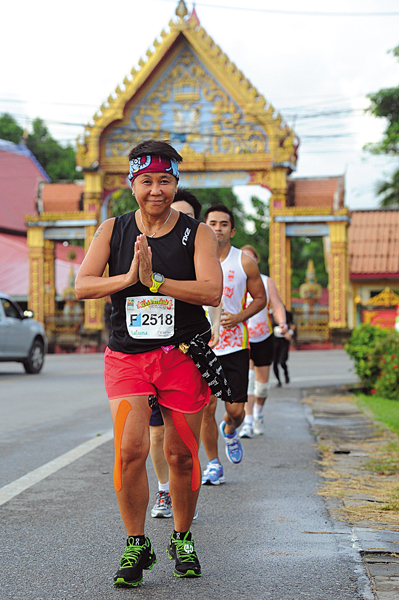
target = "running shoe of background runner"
x: 135, y: 558
x: 162, y: 508
x: 259, y: 427
x: 213, y: 474
x: 246, y: 431
x: 185, y: 557
x: 234, y: 450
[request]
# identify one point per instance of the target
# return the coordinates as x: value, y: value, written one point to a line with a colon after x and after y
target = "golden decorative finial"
x: 181, y: 10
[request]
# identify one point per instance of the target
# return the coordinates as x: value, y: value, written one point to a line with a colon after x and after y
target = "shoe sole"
x: 209, y: 482
x: 120, y: 582
x: 161, y: 515
x: 244, y: 435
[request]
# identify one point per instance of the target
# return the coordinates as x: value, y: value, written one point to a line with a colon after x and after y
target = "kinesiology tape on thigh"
x: 251, y: 382
x: 187, y: 436
x: 261, y: 389
x: 121, y: 415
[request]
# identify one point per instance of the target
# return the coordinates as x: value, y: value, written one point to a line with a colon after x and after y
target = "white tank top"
x: 260, y: 325
x: 234, y: 299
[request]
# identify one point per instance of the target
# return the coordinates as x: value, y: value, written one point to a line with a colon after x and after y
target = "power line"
x: 298, y: 13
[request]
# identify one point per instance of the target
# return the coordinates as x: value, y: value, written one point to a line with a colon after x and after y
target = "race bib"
x: 150, y: 317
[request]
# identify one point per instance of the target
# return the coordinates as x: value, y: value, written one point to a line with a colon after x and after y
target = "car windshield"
x: 10, y: 310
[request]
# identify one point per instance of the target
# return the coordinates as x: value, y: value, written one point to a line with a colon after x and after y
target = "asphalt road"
x: 264, y: 534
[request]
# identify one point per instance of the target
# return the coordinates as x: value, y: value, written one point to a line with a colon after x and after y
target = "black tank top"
x: 173, y: 257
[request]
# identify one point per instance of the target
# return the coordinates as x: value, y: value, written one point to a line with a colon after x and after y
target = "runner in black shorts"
x: 240, y: 274
x: 236, y: 367
x: 262, y: 352
x: 261, y: 340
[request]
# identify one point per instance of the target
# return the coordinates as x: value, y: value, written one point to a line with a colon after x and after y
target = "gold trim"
x: 386, y: 298
x: 254, y: 106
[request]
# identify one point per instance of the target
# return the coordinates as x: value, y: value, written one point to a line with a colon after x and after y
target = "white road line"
x: 26, y: 481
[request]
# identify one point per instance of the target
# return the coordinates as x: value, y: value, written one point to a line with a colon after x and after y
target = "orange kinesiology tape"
x: 187, y: 436
x: 121, y: 415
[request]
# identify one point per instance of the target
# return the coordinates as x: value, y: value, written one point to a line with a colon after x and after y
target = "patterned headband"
x: 152, y: 164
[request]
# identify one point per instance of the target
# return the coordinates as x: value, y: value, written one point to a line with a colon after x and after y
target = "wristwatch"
x: 157, y: 281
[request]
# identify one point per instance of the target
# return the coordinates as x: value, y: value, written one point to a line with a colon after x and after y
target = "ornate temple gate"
x: 332, y: 224
x: 188, y: 92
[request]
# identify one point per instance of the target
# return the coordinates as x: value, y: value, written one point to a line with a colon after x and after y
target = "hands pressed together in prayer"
x: 141, y: 266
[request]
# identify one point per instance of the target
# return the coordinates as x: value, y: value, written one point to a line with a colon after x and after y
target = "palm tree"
x: 389, y: 190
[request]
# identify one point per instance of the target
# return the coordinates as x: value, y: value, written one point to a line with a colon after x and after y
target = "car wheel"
x: 35, y: 360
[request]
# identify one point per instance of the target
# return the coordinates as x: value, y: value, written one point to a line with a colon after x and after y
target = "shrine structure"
x: 186, y: 90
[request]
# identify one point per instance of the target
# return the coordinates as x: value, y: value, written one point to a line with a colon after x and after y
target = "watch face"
x: 158, y: 277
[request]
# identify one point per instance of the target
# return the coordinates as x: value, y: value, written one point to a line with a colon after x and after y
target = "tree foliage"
x: 9, y: 129
x: 122, y: 202
x: 58, y: 161
x: 385, y: 104
x: 389, y: 191
x: 302, y: 251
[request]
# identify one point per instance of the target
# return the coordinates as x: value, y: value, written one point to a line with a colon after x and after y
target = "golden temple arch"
x: 186, y: 90
x: 189, y: 92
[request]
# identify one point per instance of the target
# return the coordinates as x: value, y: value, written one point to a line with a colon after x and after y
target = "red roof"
x: 317, y: 191
x: 14, y: 269
x: 20, y: 175
x: 374, y: 244
x: 61, y: 197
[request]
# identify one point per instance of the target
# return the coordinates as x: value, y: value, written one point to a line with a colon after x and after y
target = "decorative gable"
x: 189, y: 92
x: 188, y: 106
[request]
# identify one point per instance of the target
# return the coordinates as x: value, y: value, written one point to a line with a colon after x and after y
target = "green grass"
x: 387, y: 463
x: 386, y: 411
x: 394, y: 502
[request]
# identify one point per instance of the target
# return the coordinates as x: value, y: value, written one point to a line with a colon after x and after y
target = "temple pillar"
x: 49, y: 278
x: 92, y: 200
x: 288, y: 274
x: 338, y: 275
x: 36, y: 244
x: 278, y: 260
x: 280, y: 248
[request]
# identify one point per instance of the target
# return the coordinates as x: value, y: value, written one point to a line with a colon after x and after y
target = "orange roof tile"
x: 61, y: 197
x: 374, y: 243
x: 317, y: 191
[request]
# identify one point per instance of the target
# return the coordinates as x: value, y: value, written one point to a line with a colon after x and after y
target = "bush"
x: 386, y: 356
x: 364, y: 350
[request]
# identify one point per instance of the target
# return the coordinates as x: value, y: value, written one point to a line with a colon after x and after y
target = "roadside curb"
x: 347, y: 438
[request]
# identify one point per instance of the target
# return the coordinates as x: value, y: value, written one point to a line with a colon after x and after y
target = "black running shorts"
x: 156, y: 419
x: 236, y: 367
x: 262, y: 352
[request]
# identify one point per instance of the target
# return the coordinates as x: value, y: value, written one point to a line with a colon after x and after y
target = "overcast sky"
x: 314, y: 61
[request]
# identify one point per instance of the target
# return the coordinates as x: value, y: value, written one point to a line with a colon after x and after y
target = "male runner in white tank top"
x: 261, y: 341
x: 240, y: 274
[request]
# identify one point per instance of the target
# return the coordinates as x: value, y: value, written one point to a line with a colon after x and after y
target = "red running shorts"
x: 172, y: 377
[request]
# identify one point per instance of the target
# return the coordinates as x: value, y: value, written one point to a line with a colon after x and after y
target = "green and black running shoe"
x: 186, y: 560
x: 138, y: 555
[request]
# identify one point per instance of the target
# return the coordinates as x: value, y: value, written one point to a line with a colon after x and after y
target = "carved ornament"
x: 386, y: 298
